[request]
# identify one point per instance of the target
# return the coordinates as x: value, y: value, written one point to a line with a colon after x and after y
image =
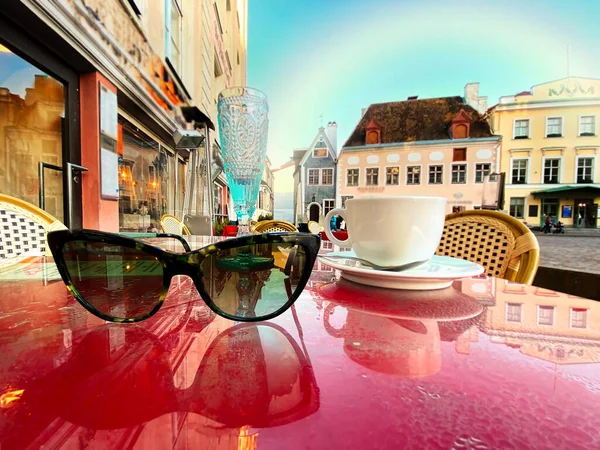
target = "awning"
x: 569, y: 188
x: 193, y: 113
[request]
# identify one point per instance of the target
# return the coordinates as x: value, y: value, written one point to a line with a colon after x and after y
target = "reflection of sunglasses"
x: 119, y: 279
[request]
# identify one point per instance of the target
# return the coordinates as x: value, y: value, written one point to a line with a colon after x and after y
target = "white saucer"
x: 437, y: 273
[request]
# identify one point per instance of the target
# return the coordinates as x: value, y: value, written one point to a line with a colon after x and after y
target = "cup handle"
x: 328, y: 327
x: 330, y: 214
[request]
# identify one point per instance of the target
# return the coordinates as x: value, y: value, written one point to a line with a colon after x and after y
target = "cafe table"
x: 483, y: 364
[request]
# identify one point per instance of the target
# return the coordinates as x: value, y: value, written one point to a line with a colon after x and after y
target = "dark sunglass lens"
x: 255, y: 280
x: 121, y: 282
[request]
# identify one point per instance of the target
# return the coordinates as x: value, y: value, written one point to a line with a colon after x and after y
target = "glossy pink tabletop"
x: 483, y: 364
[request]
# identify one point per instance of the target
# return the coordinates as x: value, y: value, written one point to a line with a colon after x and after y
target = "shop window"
x: 481, y: 170
x: 146, y: 180
x: 436, y: 174
x: 32, y: 107
x: 456, y: 209
x: 413, y: 175
x: 517, y: 207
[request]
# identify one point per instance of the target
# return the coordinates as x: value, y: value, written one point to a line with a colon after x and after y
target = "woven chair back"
x: 270, y: 226
x: 171, y: 224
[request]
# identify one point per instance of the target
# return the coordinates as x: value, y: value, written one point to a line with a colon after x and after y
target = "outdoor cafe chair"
x: 269, y: 226
x: 23, y: 228
x: 500, y: 243
x: 315, y: 227
x: 171, y: 224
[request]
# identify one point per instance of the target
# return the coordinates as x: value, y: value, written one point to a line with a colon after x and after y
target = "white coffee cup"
x: 391, y: 231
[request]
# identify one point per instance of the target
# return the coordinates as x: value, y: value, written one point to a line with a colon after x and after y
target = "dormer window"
x: 320, y: 150
x: 460, y: 127
x: 373, y: 133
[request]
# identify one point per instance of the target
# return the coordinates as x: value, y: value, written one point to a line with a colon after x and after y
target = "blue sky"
x: 334, y: 57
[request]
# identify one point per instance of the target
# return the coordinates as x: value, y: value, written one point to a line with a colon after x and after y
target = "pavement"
x: 570, y: 251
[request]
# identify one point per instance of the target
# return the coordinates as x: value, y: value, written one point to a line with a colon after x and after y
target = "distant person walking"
x: 548, y: 224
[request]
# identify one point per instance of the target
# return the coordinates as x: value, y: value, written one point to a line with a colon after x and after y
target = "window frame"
x: 595, y: 131
x: 168, y: 33
x: 323, y: 169
x: 560, y: 169
x: 524, y: 206
x: 397, y: 175
x: 308, y: 170
x: 539, y: 308
x: 577, y: 159
x: 515, y: 137
x: 357, y: 176
x: 483, y: 175
x: 587, y: 321
x: 429, y: 166
x: 512, y: 160
x: 463, y: 163
x: 507, y: 304
x: 420, y: 174
x: 324, y: 209
x: 562, y: 127
x: 367, y: 175
x: 320, y: 148
x: 454, y: 149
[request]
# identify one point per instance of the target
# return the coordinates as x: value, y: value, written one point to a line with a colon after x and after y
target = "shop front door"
x: 585, y: 213
x: 549, y: 207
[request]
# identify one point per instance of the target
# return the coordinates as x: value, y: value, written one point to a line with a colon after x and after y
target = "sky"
x: 335, y: 57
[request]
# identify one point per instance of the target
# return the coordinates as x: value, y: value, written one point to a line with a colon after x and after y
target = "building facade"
x: 104, y: 85
x: 549, y: 151
x: 266, y: 193
x: 434, y: 147
x: 315, y: 177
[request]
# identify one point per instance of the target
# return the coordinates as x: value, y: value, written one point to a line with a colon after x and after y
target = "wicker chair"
x: 171, y: 224
x: 501, y: 244
x: 267, y: 226
x: 23, y: 228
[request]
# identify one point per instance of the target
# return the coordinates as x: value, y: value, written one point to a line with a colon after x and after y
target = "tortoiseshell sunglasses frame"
x: 187, y: 263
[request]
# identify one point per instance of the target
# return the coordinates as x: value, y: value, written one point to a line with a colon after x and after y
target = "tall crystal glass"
x: 243, y: 115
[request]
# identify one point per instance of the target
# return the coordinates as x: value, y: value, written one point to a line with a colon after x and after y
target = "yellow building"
x: 549, y: 151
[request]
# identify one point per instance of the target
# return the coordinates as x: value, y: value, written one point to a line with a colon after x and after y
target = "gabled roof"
x: 317, y: 143
x: 417, y: 120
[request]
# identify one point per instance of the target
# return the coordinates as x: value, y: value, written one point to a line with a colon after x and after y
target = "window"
x: 313, y: 177
x: 328, y: 205
x: 533, y: 211
x: 585, y: 170
x: 513, y: 312
x: 352, y: 177
x: 413, y: 175
x: 459, y: 154
x: 392, y: 175
x: 551, y: 170
x: 373, y: 176
x: 459, y: 173
x: 578, y: 318
x: 344, y: 198
x: 517, y: 207
x: 519, y: 171
x: 320, y: 152
x: 545, y: 315
x: 521, y: 130
x: 481, y: 170
x: 436, y: 174
x: 587, y: 126
x: 554, y: 127
x: 327, y: 176
x: 173, y: 34
x: 460, y: 132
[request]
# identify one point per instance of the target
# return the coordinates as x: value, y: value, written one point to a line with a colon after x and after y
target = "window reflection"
x: 32, y: 108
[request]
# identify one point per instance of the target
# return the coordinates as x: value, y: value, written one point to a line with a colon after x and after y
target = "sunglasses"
x: 247, y: 279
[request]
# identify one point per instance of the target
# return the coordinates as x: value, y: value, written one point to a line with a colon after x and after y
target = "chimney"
x: 473, y: 99
x: 332, y: 135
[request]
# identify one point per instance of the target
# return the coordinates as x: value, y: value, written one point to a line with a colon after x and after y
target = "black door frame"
x: 24, y: 44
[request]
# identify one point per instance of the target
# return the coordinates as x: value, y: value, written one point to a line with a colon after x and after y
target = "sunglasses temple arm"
x: 181, y: 239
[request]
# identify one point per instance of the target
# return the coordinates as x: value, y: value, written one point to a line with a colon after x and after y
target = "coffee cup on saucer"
x: 391, y: 231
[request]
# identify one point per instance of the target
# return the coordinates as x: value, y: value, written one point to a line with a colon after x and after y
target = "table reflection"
x: 219, y: 386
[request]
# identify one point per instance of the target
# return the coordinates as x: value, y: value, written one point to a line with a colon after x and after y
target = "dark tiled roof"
x: 417, y: 120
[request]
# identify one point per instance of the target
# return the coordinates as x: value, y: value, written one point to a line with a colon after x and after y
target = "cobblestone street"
x: 570, y: 252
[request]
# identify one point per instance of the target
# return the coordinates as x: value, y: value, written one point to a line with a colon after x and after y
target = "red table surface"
x: 349, y: 367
